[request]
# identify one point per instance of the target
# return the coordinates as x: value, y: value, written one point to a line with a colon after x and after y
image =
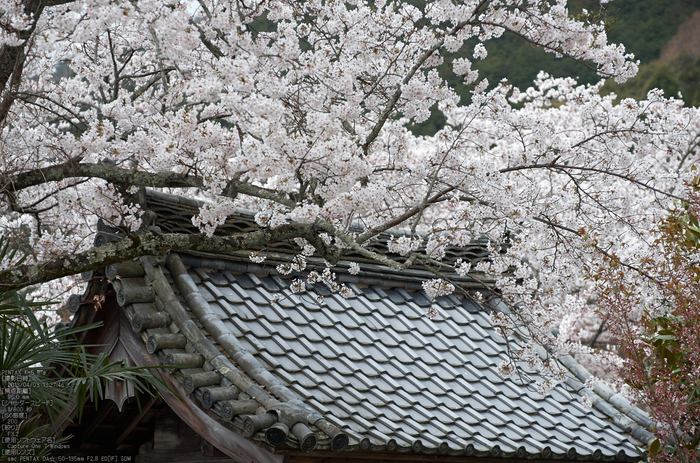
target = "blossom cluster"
x: 403, y: 245
x: 438, y: 287
x: 304, y: 117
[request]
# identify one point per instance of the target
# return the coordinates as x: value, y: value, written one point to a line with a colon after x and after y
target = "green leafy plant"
x: 661, y: 347
x: 59, y: 368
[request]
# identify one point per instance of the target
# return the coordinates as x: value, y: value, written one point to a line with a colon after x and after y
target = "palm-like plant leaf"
x: 39, y: 351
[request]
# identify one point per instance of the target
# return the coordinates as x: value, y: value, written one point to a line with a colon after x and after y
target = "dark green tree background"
x: 643, y: 26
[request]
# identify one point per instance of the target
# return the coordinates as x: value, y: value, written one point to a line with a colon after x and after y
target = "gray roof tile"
x: 254, y: 313
x: 241, y: 280
x: 363, y: 423
x: 439, y: 429
x: 345, y: 366
x: 521, y: 419
x: 404, y: 399
x: 454, y: 402
x: 301, y: 391
x: 353, y: 397
x: 466, y: 427
x: 395, y: 413
x: 270, y: 360
x: 330, y: 350
x: 335, y: 380
x: 361, y: 382
x: 331, y: 395
x: 409, y: 384
x: 286, y: 378
x: 377, y: 367
x: 415, y: 424
x: 347, y: 320
x: 267, y: 283
x: 262, y: 329
x: 388, y: 385
x: 308, y: 347
x: 376, y: 398
x: 378, y: 437
x: 363, y: 336
x: 445, y: 372
x: 326, y: 318
x: 240, y: 327
x: 314, y: 333
x: 272, y: 316
x: 379, y: 353
x: 318, y: 405
x: 496, y: 418
x: 441, y: 343
x: 282, y: 344
x: 474, y: 332
x: 437, y: 386
x: 347, y: 409
x: 450, y: 329
x: 385, y: 308
x: 514, y: 433
x: 405, y: 354
x: 369, y: 410
x: 445, y: 302
x: 398, y: 296
x: 475, y: 402
x: 431, y: 357
x: 318, y: 364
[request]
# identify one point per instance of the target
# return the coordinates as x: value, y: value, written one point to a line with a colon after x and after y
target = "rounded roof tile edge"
x: 253, y: 368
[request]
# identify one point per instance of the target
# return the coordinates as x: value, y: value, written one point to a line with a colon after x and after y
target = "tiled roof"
x: 173, y: 214
x: 370, y: 373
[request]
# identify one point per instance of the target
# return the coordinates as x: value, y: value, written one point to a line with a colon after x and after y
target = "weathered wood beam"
x: 226, y: 440
x: 107, y: 407
x: 136, y: 420
x: 295, y: 456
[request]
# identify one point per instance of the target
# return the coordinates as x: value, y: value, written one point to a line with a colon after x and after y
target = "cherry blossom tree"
x: 654, y: 312
x: 300, y: 110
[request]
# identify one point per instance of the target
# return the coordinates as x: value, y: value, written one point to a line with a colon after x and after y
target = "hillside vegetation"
x: 663, y: 35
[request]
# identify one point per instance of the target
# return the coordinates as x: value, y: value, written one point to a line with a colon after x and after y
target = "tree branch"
x: 107, y: 172
x: 116, y: 174
x: 406, y: 215
x: 132, y: 246
x: 591, y: 169
x: 391, y: 104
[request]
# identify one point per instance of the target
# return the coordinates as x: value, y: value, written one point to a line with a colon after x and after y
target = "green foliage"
x: 653, y: 313
x: 664, y: 78
x: 667, y: 337
x: 673, y: 337
x: 56, y: 361
x: 643, y: 26
x: 59, y: 368
x: 682, y: 75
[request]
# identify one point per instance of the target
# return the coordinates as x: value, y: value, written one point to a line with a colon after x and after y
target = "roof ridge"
x: 369, y: 275
x: 623, y: 413
x: 354, y: 227
x: 173, y: 213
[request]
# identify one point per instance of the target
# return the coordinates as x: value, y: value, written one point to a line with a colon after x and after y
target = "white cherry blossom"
x: 302, y: 111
